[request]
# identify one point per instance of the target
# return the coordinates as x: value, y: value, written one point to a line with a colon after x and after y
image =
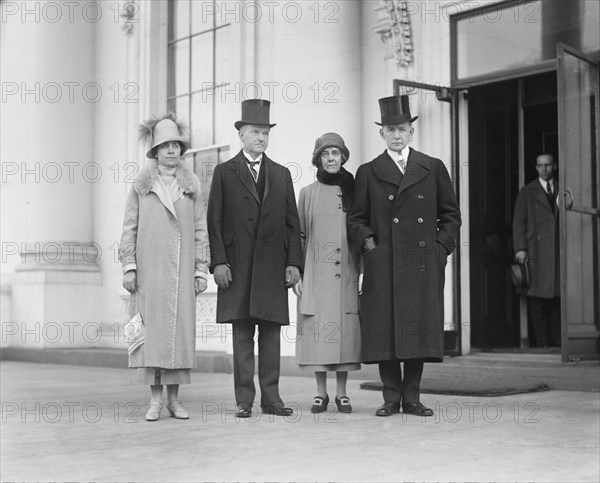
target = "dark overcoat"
x: 535, y: 229
x: 257, y: 238
x: 414, y: 219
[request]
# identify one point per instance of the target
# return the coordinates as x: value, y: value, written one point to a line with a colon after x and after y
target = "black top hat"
x: 255, y: 111
x: 395, y: 110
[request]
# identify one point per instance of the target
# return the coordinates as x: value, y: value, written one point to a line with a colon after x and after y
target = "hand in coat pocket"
x: 223, y: 276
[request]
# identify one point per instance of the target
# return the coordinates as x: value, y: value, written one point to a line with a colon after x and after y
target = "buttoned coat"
x: 535, y: 229
x: 166, y: 242
x: 328, y: 327
x: 257, y: 238
x: 414, y: 220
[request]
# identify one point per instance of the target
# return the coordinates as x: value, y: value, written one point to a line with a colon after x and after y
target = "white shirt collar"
x: 544, y: 183
x: 396, y: 156
x: 249, y: 157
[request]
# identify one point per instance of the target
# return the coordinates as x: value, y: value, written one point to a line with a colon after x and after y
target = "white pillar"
x: 48, y: 139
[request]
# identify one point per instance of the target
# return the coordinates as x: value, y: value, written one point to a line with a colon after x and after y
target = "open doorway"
x: 510, y: 123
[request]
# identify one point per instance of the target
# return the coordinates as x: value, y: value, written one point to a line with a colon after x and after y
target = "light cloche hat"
x: 158, y: 130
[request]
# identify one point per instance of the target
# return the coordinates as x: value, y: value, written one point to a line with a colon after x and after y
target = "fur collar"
x: 185, y: 177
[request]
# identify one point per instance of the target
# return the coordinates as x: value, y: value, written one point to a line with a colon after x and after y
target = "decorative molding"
x: 130, y: 9
x: 395, y: 30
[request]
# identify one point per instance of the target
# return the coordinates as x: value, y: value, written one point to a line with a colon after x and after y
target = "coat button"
x: 421, y: 244
x: 391, y: 197
x: 339, y: 195
x: 419, y: 220
x: 338, y: 250
x: 420, y: 197
x: 339, y: 207
x: 395, y: 220
x: 421, y: 268
x: 337, y: 275
x: 250, y: 219
x: 337, y: 262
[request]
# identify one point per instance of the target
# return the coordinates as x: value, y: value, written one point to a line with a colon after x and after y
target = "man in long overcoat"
x: 535, y: 241
x: 405, y: 222
x: 256, y: 255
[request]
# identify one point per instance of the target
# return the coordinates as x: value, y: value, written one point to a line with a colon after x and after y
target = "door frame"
x: 455, y: 342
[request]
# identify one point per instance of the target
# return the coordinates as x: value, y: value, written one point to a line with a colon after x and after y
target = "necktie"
x: 550, y: 195
x: 252, y: 165
x: 402, y: 164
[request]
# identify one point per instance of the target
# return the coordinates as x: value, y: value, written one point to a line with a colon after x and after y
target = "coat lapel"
x: 245, y: 177
x: 417, y: 168
x: 541, y: 195
x: 386, y: 170
x: 266, y: 165
x: 163, y: 195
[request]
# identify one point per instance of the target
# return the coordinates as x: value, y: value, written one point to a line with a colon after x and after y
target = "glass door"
x: 579, y: 183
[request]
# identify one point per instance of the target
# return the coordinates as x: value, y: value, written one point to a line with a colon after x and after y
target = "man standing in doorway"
x: 405, y: 222
x: 535, y: 241
x: 254, y: 234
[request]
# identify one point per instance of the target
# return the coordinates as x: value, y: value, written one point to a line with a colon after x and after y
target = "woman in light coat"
x: 163, y: 251
x: 328, y: 336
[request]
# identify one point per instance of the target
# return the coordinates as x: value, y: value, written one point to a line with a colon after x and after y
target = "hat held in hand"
x: 519, y: 273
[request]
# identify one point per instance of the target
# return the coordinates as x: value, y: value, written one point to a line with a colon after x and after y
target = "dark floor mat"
x: 469, y: 388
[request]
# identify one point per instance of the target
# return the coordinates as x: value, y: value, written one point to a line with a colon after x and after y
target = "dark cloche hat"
x: 327, y: 140
x: 255, y: 111
x: 395, y: 110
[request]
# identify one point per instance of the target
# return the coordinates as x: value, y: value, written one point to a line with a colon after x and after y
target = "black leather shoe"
x: 244, y: 410
x: 319, y: 404
x: 416, y: 408
x: 388, y: 409
x: 277, y: 409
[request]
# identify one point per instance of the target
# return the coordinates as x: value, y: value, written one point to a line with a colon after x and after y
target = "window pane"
x: 182, y: 109
x: 523, y: 35
x: 181, y: 67
x: 203, y: 15
x: 202, y: 120
x: 223, y: 55
x: 202, y: 59
x: 233, y: 11
x: 494, y: 41
x: 223, y: 123
x: 181, y: 18
x: 590, y: 14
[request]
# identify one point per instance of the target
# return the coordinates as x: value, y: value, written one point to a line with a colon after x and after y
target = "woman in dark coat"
x: 328, y: 325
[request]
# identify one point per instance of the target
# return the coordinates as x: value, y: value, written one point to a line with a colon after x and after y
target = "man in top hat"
x: 405, y: 222
x: 536, y: 242
x: 254, y: 234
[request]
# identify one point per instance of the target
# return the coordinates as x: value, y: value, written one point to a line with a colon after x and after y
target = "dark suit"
x: 414, y: 220
x: 258, y: 237
x: 535, y: 230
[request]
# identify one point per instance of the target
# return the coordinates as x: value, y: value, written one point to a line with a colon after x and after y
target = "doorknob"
x: 568, y: 204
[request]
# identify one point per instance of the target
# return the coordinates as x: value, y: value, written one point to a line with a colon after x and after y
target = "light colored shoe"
x: 176, y: 410
x: 154, y: 410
